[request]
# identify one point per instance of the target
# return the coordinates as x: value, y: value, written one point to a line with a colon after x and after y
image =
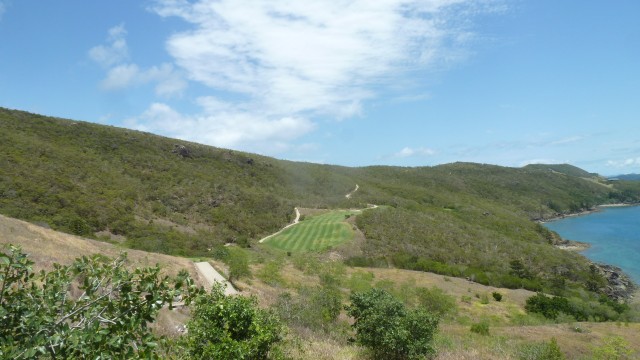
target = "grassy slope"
x: 315, y: 233
x: 454, y: 340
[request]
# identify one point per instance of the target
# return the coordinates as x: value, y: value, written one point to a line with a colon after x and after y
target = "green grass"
x: 315, y: 233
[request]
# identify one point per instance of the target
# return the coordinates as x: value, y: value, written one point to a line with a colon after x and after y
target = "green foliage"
x: 613, y: 348
x: 481, y: 328
x: 550, y: 307
x: 496, y: 296
x: 436, y: 301
x: 541, y: 351
x: 270, y: 273
x: 39, y: 316
x: 230, y: 327
x: 576, y: 308
x: 238, y: 262
x: 388, y: 329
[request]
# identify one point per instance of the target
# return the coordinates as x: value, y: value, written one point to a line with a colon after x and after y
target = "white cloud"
x: 168, y: 81
x: 624, y: 163
x: 222, y: 125
x: 568, y: 140
x: 408, y: 152
x: 304, y: 59
x: 121, y: 73
x: 115, y: 51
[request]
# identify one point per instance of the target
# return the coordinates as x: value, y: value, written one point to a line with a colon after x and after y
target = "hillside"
x: 157, y: 194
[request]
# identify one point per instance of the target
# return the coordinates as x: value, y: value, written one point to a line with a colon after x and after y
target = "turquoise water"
x: 614, y: 235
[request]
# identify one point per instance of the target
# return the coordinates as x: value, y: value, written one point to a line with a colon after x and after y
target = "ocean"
x: 614, y: 235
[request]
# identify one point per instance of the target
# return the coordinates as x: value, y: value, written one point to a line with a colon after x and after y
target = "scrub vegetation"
x: 442, y: 243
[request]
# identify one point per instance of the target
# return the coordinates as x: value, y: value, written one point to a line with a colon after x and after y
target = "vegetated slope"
x: 566, y: 169
x: 165, y: 195
x: 46, y: 247
x: 161, y: 194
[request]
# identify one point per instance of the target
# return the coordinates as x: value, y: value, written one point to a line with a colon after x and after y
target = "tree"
x: 387, y: 328
x: 228, y: 327
x: 39, y: 316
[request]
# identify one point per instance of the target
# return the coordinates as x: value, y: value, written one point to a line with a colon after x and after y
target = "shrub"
x: 481, y: 328
x: 497, y: 296
x: 436, y: 301
x: 39, y: 317
x: 230, y: 327
x: 541, y: 351
x: 388, y: 329
x: 613, y: 348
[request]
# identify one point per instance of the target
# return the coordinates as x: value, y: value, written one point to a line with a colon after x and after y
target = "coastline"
x: 592, y: 210
x: 620, y: 285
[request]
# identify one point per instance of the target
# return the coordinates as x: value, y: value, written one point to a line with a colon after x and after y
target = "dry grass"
x: 46, y: 247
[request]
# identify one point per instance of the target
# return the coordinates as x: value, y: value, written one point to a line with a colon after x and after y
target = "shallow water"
x: 614, y: 235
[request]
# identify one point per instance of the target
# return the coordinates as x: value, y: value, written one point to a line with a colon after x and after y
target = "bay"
x: 614, y: 235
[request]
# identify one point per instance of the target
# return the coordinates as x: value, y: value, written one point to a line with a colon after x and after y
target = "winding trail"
x: 295, y: 221
x: 348, y: 196
x: 212, y: 276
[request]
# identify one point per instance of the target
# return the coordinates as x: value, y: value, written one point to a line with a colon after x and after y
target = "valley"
x: 460, y: 240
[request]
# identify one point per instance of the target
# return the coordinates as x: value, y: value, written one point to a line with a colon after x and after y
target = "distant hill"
x: 629, y: 177
x: 152, y: 193
x: 563, y: 169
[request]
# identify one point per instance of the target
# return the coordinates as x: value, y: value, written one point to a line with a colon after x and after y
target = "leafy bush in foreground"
x: 226, y: 327
x: 388, y: 329
x: 39, y: 317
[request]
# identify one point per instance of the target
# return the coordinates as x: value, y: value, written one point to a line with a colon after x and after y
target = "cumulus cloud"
x: 121, y: 73
x: 409, y: 152
x: 222, y: 125
x: 310, y: 59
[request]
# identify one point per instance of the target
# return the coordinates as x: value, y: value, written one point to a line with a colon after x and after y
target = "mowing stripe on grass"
x: 315, y: 233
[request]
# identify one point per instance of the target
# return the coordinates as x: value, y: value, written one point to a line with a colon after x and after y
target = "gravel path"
x: 212, y: 276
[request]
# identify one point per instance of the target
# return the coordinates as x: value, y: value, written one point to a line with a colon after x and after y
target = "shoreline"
x: 632, y: 292
x: 593, y: 210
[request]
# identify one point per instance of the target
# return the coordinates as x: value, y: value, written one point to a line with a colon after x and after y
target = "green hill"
x: 164, y: 195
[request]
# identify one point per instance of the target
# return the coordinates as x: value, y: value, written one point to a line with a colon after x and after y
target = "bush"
x: 436, y: 301
x: 613, y: 348
x: 39, y: 317
x: 496, y: 296
x: 388, y: 329
x: 230, y: 327
x: 481, y: 328
x: 541, y: 351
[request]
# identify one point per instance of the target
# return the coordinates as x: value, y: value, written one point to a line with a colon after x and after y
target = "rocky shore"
x: 619, y: 285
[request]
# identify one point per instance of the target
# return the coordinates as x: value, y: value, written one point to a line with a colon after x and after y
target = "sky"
x: 348, y: 82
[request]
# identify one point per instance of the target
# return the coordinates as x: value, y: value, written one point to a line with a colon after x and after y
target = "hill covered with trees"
x: 164, y: 195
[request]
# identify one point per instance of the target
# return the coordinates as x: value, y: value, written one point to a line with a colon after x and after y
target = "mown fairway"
x: 315, y: 233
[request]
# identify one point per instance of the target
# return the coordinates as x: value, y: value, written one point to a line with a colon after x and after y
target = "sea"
x: 614, y: 235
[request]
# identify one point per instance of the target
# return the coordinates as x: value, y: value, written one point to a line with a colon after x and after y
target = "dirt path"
x: 212, y: 276
x: 295, y: 221
x: 348, y: 196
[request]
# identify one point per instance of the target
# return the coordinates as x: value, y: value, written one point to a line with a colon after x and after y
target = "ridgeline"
x: 163, y: 195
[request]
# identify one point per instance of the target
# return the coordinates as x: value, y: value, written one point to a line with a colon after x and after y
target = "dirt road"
x: 212, y: 276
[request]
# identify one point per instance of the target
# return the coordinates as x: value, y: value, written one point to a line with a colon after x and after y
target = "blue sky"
x: 355, y: 83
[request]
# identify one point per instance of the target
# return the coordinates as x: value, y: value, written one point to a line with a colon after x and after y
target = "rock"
x: 182, y: 150
x: 619, y: 285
